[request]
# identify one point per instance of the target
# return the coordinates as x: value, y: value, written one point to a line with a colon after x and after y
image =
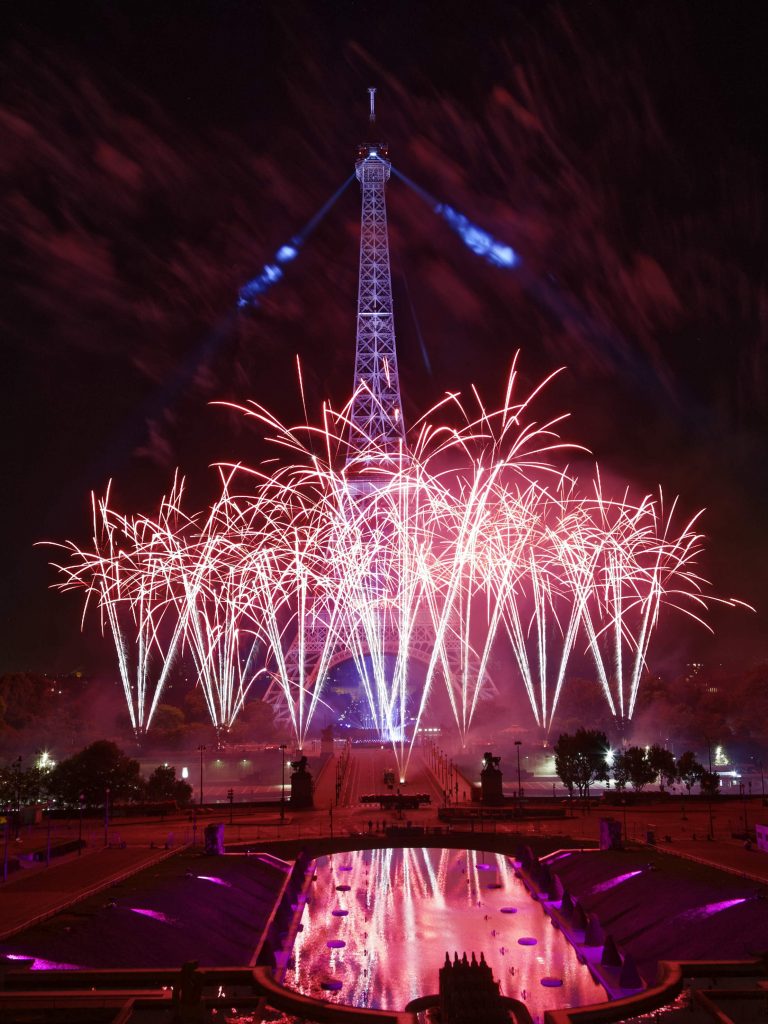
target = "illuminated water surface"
x: 406, y: 907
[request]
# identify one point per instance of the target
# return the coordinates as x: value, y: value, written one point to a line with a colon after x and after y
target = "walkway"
x: 42, y: 892
x: 729, y: 856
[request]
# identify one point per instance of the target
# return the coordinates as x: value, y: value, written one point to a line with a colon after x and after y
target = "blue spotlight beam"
x: 549, y: 296
x: 272, y: 272
x: 480, y: 242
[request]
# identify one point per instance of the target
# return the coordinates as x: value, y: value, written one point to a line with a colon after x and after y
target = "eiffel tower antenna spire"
x: 376, y: 430
x: 372, y: 94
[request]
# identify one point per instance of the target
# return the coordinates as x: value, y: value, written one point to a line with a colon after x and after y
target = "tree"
x: 19, y: 785
x: 663, y: 763
x: 689, y: 771
x: 565, y: 761
x: 10, y: 777
x: 639, y: 768
x: 168, y: 725
x: 620, y: 771
x: 196, y: 706
x: 92, y: 771
x: 255, y: 722
x: 710, y: 783
x: 162, y: 784
x: 582, y: 759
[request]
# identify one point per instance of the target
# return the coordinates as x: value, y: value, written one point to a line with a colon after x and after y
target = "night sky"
x: 154, y: 157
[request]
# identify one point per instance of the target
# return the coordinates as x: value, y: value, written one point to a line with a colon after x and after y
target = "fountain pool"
x: 406, y: 908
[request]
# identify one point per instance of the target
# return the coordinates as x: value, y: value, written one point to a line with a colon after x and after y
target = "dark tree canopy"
x: 92, y: 771
x: 689, y: 770
x: 639, y: 769
x: 662, y: 762
x: 20, y: 785
x: 710, y: 783
x: 162, y: 784
x: 582, y: 759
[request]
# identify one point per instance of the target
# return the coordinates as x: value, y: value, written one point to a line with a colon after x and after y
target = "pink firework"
x: 429, y: 555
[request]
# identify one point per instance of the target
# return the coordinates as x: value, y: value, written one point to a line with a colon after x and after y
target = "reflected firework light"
x: 155, y: 915
x: 298, y: 566
x: 37, y: 963
x: 708, y: 909
x: 611, y: 883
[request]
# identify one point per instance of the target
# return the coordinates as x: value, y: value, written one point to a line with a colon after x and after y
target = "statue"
x: 302, y: 786
x: 491, y: 781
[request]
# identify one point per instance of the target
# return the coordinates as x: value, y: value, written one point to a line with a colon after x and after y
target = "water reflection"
x: 406, y: 907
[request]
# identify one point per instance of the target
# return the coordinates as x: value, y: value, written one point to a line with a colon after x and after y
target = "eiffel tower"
x: 376, y: 443
x: 376, y: 429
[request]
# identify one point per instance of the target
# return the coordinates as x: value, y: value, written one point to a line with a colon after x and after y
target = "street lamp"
x: 518, y: 744
x: 6, y: 826
x: 709, y: 788
x: 201, y: 748
x: 17, y: 778
x: 282, y: 783
x: 744, y: 804
x: 48, y: 833
x: 106, y: 817
x: 81, y: 799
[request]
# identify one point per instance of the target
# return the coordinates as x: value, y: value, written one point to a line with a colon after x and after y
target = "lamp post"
x: 709, y: 789
x: 48, y: 835
x: 81, y: 800
x: 744, y: 799
x: 17, y: 779
x: 518, y: 744
x: 106, y: 817
x: 6, y: 826
x: 201, y: 748
x: 282, y: 783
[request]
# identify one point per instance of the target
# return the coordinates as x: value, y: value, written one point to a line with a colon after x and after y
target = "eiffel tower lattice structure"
x: 377, y: 440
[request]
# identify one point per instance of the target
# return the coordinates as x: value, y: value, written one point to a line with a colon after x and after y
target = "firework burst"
x: 430, y: 555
